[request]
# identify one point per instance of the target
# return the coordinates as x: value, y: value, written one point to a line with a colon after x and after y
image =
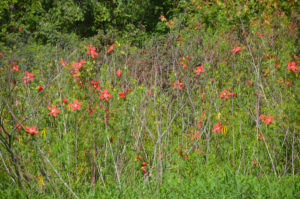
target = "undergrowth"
x: 209, y: 110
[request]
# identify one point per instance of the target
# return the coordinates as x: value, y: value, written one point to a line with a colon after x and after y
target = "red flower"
x: 118, y: 73
x: 53, y: 110
x: 199, y: 70
x: 144, y: 170
x: 150, y: 92
x: 92, y: 51
x: 107, y: 114
x: 236, y: 49
x: 194, y: 134
x: 18, y: 102
x: 261, y: 36
x: 95, y: 85
x: 28, y: 77
x: 65, y: 100
x: 217, y: 128
x: 203, y: 95
x: 292, y: 66
x: 40, y: 88
x: 122, y: 95
x: 177, y: 85
x: 63, y: 63
x: 31, y: 129
x: 76, y: 105
x: 199, y: 122
x: 78, y: 65
x: 144, y: 164
x: 111, y: 48
x: 184, y: 61
x: 14, y: 67
x: 291, y: 26
x: 266, y: 119
x: 212, y: 79
x: 18, y: 126
x: 139, y: 158
x: 254, y: 162
x: 90, y: 110
x: 225, y: 94
x: 268, y: 71
x: 105, y: 95
x: 20, y: 28
x: 128, y: 90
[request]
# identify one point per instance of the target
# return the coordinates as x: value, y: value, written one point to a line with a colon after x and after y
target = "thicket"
x: 151, y: 99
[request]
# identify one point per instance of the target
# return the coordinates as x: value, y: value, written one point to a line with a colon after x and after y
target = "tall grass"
x: 207, y: 138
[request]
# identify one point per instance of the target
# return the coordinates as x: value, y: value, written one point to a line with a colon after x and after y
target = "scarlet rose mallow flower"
x: 92, y: 51
x: 95, y: 84
x: 14, y: 67
x: 144, y: 170
x: 236, y: 49
x: 18, y: 126
x: 266, y: 119
x: 111, y: 48
x: 40, y: 88
x: 119, y: 73
x: 105, y: 95
x: 53, y: 110
x: 65, y: 100
x: 217, y: 128
x: 177, y: 85
x: 79, y: 64
x: 75, y: 105
x: 292, y: 66
x: 199, y: 70
x: 122, y: 95
x: 184, y: 61
x: 225, y: 94
x: 31, y: 130
x: 63, y: 63
x: 260, y: 35
x: 28, y: 77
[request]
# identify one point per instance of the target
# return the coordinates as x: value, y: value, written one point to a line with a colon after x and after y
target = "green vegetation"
x: 149, y: 99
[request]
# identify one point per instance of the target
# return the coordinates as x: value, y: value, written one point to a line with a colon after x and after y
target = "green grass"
x: 205, y: 185
x: 159, y: 129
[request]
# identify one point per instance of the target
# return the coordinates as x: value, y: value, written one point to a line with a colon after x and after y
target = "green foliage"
x: 48, y: 21
x: 152, y: 130
x: 219, y: 185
